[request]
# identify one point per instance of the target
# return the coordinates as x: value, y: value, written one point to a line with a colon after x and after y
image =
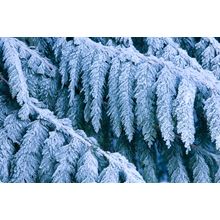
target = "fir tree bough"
x: 109, y: 110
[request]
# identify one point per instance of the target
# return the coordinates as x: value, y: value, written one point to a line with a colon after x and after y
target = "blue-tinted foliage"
x: 114, y: 109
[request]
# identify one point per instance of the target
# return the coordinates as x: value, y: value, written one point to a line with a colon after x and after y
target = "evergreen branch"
x: 131, y: 175
x: 191, y: 71
x: 153, y: 95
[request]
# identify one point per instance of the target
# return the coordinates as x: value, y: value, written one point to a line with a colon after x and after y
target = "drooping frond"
x: 113, y: 107
x: 15, y: 127
x: 87, y: 168
x: 61, y: 106
x: 98, y: 73
x: 27, y: 159
x: 67, y: 157
x: 6, y: 155
x: 48, y: 163
x: 166, y: 92
x: 87, y: 62
x: 145, y: 96
x: 75, y: 113
x: 206, y: 50
x: 212, y: 108
x: 200, y: 169
x: 146, y: 163
x: 176, y: 170
x: 13, y: 65
x: 208, y: 54
x: 125, y: 97
x: 184, y: 111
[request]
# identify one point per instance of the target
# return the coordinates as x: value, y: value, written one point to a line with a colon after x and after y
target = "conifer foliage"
x: 109, y: 110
